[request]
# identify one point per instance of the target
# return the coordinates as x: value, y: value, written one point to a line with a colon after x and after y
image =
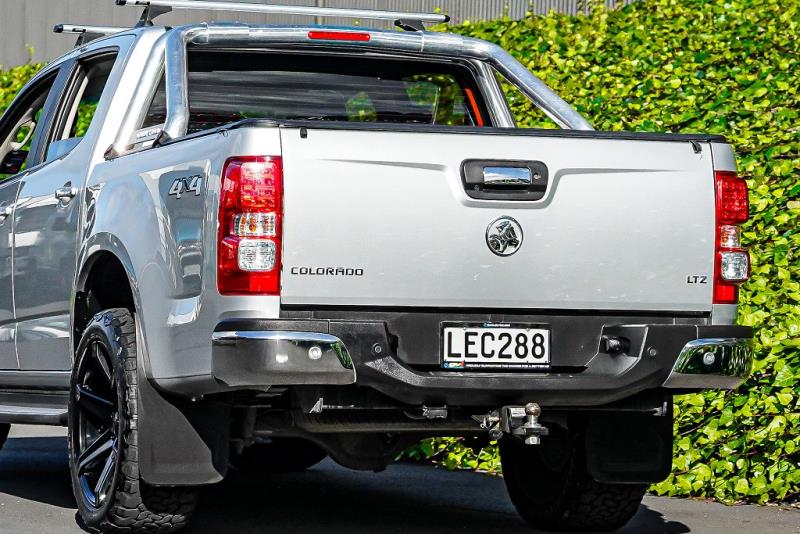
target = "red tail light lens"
x: 733, y: 205
x: 250, y: 214
x: 732, y: 262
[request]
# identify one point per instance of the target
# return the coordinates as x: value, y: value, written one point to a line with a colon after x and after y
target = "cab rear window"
x: 226, y: 87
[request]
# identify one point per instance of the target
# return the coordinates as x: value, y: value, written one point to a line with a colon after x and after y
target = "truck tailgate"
x: 383, y: 218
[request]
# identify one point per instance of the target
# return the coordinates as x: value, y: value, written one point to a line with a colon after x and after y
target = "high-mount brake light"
x: 731, y: 261
x: 339, y: 36
x: 250, y: 214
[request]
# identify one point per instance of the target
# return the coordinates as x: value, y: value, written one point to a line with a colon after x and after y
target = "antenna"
x: 87, y: 33
x: 408, y: 21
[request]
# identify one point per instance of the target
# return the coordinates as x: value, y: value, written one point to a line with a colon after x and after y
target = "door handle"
x: 66, y: 193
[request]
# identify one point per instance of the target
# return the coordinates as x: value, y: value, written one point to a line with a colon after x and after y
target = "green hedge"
x: 12, y: 80
x: 721, y: 66
x: 724, y: 66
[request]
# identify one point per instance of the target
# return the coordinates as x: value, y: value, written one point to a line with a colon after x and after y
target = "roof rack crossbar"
x: 411, y: 20
x: 86, y: 32
x: 85, y: 28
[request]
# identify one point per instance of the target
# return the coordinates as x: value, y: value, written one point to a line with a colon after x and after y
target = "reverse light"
x: 732, y: 262
x: 250, y: 213
x: 256, y: 255
x: 734, y: 266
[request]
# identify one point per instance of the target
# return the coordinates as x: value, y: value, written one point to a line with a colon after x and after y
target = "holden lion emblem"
x: 504, y: 236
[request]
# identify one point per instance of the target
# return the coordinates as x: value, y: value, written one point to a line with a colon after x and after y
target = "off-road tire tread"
x: 137, y: 506
x: 578, y: 503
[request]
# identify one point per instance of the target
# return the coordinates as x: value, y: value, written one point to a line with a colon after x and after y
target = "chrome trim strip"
x: 260, y: 335
x: 719, y: 363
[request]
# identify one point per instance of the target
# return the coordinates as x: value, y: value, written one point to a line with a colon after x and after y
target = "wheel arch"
x: 181, y: 442
x: 104, y: 280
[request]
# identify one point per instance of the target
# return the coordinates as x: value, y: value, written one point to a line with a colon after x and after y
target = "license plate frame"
x: 460, y: 360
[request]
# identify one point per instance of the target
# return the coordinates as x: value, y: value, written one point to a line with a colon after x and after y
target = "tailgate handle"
x: 504, y: 179
x: 519, y: 177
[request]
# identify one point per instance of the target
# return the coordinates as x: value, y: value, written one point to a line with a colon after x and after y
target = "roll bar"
x: 169, y: 55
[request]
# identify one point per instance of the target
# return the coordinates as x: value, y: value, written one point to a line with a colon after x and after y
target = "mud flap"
x: 629, y: 448
x: 181, y: 443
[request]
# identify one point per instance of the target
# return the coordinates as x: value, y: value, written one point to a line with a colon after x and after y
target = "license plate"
x: 495, y: 346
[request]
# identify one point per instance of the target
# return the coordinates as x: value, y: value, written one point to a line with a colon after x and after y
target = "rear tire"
x: 281, y: 455
x: 552, y: 490
x: 103, y: 436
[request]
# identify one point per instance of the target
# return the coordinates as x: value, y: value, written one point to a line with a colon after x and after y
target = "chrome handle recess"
x: 505, y: 180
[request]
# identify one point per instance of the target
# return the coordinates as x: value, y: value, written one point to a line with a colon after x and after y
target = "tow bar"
x: 519, y: 421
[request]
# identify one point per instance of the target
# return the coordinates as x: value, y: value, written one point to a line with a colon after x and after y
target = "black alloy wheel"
x: 96, y: 424
x: 104, y: 436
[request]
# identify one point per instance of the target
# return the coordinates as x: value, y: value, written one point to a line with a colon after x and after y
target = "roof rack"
x: 407, y: 21
x: 87, y: 33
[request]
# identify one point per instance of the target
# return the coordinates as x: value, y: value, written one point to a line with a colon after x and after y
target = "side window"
x: 22, y: 125
x: 79, y: 108
x: 157, y: 112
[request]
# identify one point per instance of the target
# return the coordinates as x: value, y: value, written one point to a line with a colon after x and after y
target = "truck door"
x: 47, y: 215
x: 20, y: 129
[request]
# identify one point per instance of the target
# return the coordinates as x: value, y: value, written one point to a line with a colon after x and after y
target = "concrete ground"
x: 35, y: 497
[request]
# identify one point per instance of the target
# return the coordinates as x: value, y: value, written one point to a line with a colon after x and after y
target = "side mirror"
x: 13, y: 162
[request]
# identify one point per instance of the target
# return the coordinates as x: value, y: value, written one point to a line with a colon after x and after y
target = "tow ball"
x: 519, y: 421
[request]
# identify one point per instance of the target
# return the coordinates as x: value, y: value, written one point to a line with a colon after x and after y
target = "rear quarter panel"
x: 168, y: 244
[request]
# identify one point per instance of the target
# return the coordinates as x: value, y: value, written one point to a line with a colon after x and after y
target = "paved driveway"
x: 35, y: 497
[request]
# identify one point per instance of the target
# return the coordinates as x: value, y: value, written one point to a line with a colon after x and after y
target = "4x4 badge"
x: 504, y: 236
x: 186, y: 184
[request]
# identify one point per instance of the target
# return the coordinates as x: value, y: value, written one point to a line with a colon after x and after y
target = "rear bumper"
x: 254, y: 354
x: 716, y: 363
x: 244, y: 358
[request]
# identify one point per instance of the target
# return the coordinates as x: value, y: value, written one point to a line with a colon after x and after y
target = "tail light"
x: 732, y: 262
x: 250, y: 213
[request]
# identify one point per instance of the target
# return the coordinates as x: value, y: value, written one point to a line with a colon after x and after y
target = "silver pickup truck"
x: 230, y: 246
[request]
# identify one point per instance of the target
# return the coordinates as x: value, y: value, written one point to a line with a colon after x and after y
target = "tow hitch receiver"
x: 518, y: 421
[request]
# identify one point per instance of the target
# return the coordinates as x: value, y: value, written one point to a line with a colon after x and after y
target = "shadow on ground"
x: 326, y: 499
x: 36, y: 469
